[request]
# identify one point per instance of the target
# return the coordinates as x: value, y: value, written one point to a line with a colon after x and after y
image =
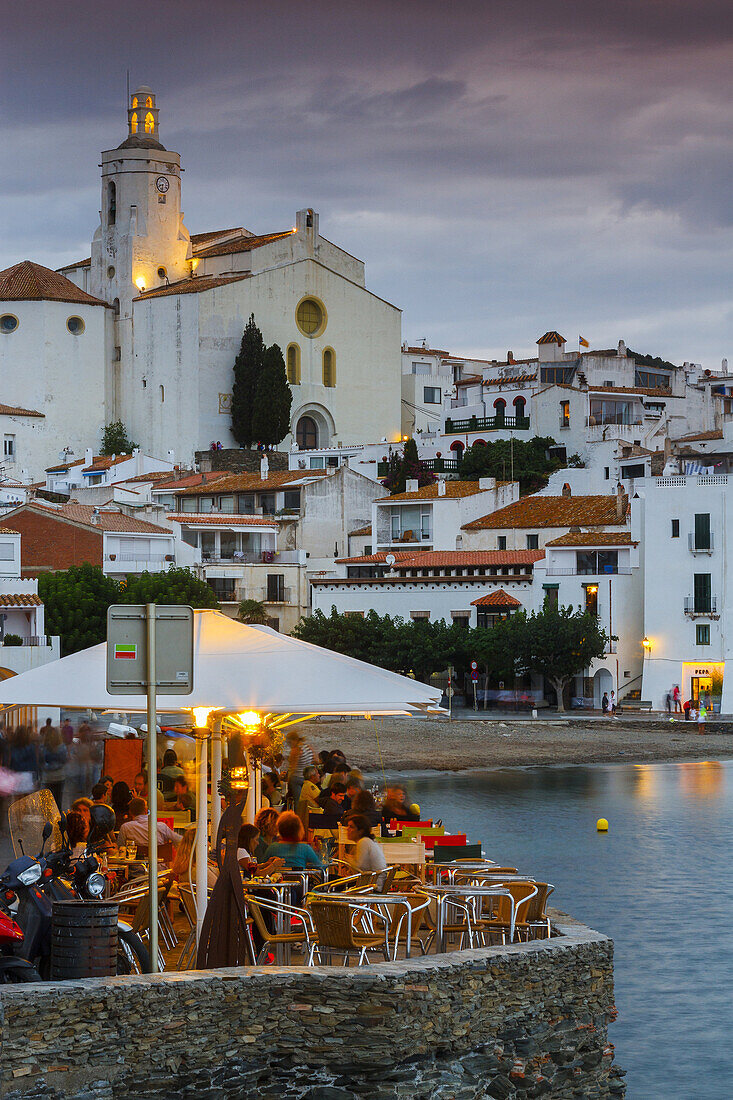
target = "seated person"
x: 100, y: 794
x: 333, y: 800
x: 363, y: 803
x: 271, y: 790
x: 266, y: 822
x: 184, y: 800
x: 140, y: 786
x: 396, y: 806
x: 136, y: 829
x: 353, y: 786
x: 290, y: 847
x: 83, y: 806
x: 77, y: 831
x: 180, y: 865
x: 367, y: 855
x: 170, y: 771
x: 246, y: 849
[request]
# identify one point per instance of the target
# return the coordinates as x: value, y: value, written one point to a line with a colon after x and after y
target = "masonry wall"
x: 506, y: 1022
x: 50, y: 543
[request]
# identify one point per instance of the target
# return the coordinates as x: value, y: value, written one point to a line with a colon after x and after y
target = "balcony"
x: 277, y: 595
x: 31, y: 640
x: 433, y: 465
x: 701, y: 607
x: 573, y: 571
x: 240, y: 557
x: 128, y: 563
x: 701, y: 546
x: 487, y: 424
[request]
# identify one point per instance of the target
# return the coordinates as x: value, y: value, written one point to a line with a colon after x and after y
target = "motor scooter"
x: 14, y: 969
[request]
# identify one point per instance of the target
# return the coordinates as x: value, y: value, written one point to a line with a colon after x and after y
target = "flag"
x: 583, y: 343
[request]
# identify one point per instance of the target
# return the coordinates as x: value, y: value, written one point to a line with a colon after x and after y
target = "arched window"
x: 500, y: 407
x: 306, y: 433
x: 329, y: 367
x: 116, y: 307
x: 520, y: 403
x: 458, y: 447
x: 111, y: 203
x: 133, y: 123
x: 134, y: 101
x: 293, y: 364
x: 479, y: 442
x: 149, y: 102
x: 149, y: 123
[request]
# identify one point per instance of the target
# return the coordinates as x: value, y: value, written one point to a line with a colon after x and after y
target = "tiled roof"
x: 20, y: 599
x: 240, y: 244
x: 190, y: 480
x: 108, y: 521
x: 699, y: 437
x: 196, y: 285
x: 505, y: 380
x: 446, y: 558
x: 427, y: 351
x: 244, y: 483
x: 201, y: 238
x: 104, y: 462
x: 29, y: 282
x: 471, y: 380
x: 645, y: 391
x: 62, y: 466
x: 497, y: 598
x: 430, y: 492
x: 376, y: 559
x: 594, y: 538
x: 224, y: 519
x: 361, y: 531
x: 79, y: 263
x: 13, y: 410
x: 546, y: 511
x: 154, y: 475
x: 551, y: 338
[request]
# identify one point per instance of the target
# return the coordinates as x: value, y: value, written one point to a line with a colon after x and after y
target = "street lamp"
x: 647, y: 645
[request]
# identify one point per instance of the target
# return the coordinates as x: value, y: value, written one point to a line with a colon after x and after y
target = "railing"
x: 433, y: 465
x: 610, y: 421
x: 409, y: 537
x: 240, y: 557
x: 486, y: 423
x: 704, y: 546
x: 127, y: 564
x: 155, y: 560
x: 698, y: 606
x: 712, y: 479
x: 284, y: 595
x: 573, y: 571
x: 33, y: 639
x: 673, y: 481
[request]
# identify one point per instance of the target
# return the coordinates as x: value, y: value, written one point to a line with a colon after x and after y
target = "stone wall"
x: 239, y: 460
x: 522, y: 1021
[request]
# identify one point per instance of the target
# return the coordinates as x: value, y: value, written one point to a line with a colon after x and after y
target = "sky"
x: 503, y: 168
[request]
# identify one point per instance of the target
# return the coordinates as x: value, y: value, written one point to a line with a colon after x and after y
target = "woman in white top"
x: 367, y: 855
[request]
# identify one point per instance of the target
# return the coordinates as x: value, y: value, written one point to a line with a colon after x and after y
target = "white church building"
x: 147, y: 328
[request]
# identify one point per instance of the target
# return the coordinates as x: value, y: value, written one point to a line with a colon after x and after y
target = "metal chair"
x: 536, y: 923
x: 258, y: 906
x: 347, y: 927
x: 508, y: 911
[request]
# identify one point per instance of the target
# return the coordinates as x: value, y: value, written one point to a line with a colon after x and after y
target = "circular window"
x: 75, y: 325
x: 162, y: 273
x: 311, y: 317
x: 8, y: 323
x: 110, y: 273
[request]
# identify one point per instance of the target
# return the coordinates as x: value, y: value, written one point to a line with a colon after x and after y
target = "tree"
x: 254, y: 613
x: 272, y: 400
x: 178, y: 586
x: 528, y: 461
x: 76, y: 603
x: 247, y: 368
x: 115, y: 440
x: 405, y: 468
x: 558, y: 642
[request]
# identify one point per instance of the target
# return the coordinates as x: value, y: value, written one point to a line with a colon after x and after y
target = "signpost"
x: 150, y: 646
x: 474, y: 680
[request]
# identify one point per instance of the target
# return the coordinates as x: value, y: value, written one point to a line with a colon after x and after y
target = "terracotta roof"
x: 78, y: 263
x: 430, y: 492
x: 108, y: 521
x: 243, y: 483
x: 13, y: 410
x: 20, y: 599
x: 154, y: 475
x: 224, y: 519
x: 551, y: 338
x: 497, y: 598
x: 202, y: 238
x: 190, y: 480
x: 104, y: 462
x: 471, y: 380
x: 594, y: 538
x: 361, y: 531
x: 547, y: 511
x: 427, y: 351
x: 29, y: 282
x: 446, y: 558
x: 197, y: 285
x: 376, y: 559
x: 506, y: 380
x: 240, y: 244
x: 699, y: 437
x: 658, y: 391
x: 65, y: 466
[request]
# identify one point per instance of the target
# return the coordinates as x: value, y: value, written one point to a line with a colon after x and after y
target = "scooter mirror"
x: 47, y: 830
x: 62, y: 823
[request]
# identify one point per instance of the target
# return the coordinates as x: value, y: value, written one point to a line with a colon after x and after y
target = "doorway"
x: 701, y: 687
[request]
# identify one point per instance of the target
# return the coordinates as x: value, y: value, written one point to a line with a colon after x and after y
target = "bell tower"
x: 141, y: 242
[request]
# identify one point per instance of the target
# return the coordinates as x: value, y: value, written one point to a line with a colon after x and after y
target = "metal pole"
x: 450, y: 693
x: 202, y: 831
x: 152, y: 790
x: 215, y: 779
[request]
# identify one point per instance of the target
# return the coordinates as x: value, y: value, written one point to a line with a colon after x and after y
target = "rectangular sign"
x: 127, y: 649
x: 125, y: 652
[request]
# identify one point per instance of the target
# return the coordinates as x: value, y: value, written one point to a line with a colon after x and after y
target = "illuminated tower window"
x: 133, y: 124
x: 134, y: 101
x: 149, y: 123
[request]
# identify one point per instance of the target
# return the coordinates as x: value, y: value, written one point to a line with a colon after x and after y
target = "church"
x: 147, y: 328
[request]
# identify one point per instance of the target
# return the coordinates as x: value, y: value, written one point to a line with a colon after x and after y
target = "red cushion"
x: 457, y: 839
x: 399, y: 824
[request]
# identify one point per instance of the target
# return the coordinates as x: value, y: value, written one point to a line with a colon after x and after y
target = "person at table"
x: 170, y: 771
x: 266, y: 822
x: 310, y: 792
x: 367, y: 855
x: 77, y: 831
x: 83, y: 806
x: 121, y: 799
x: 184, y: 799
x: 396, y: 806
x: 333, y: 801
x: 136, y: 829
x: 363, y: 803
x: 247, y: 840
x: 271, y: 790
x: 140, y: 786
x: 179, y: 867
x: 290, y: 847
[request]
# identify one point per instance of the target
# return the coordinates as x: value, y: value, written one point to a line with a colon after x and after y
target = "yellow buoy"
x: 602, y: 825
x: 415, y: 809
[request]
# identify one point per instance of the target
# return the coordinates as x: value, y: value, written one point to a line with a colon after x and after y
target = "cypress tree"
x: 247, y: 369
x: 272, y: 400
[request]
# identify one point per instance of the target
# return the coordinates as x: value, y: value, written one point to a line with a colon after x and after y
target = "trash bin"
x: 83, y: 939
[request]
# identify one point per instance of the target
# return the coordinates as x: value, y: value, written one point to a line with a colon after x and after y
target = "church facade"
x: 171, y: 309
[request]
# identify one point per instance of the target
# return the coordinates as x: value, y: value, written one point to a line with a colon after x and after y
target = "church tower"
x: 141, y: 242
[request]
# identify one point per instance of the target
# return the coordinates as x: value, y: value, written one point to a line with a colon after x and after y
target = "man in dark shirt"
x: 333, y: 800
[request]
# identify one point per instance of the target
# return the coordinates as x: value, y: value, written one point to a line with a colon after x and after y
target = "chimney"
x: 724, y: 366
x: 88, y: 456
x: 441, y: 487
x: 620, y: 502
x: 485, y: 483
x: 411, y: 485
x: 621, y: 349
x: 566, y: 490
x: 264, y: 467
x: 95, y: 517
x: 138, y: 460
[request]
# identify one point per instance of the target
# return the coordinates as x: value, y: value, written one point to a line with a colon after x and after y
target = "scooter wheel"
x: 132, y: 955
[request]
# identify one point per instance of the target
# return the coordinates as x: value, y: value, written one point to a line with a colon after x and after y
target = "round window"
x: 75, y: 325
x: 162, y: 273
x: 8, y: 323
x: 311, y: 317
x: 110, y: 273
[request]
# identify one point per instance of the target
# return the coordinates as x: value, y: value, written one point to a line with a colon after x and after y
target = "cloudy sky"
x: 503, y: 168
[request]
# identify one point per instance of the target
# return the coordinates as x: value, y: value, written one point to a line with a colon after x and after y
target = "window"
x: 275, y: 587
x: 116, y: 307
x: 291, y: 500
x: 675, y: 528
x: 7, y: 551
x: 8, y: 323
x: 9, y: 446
x: 702, y: 531
x: 223, y: 588
x: 608, y: 411
x: 519, y: 407
x: 329, y: 367
x: 306, y: 433
x: 703, y: 593
x: 133, y: 119
x: 533, y: 542
x: 148, y: 101
x: 594, y: 562
x: 111, y: 213
x: 353, y: 614
x: 246, y: 504
x: 162, y: 273
x: 702, y: 634
x: 293, y: 364
x: 501, y: 542
x: 134, y: 101
x: 564, y: 414
x: 431, y: 395
x: 317, y: 463
x: 421, y: 369
x: 162, y: 394
x: 591, y: 598
x: 556, y: 374
x: 461, y: 618
x: 149, y: 122
x: 226, y: 504
x: 500, y: 409
x: 652, y: 380
x: 607, y: 472
x: 551, y: 594
x: 75, y: 325
x: 310, y: 317
x: 268, y: 504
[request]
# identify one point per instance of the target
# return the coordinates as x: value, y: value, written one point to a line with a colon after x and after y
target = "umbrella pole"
x: 152, y: 792
x: 216, y: 751
x: 202, y: 820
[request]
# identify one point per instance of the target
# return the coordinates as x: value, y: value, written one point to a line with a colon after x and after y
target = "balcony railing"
x: 573, y: 571
x: 240, y: 557
x: 282, y: 595
x: 700, y: 546
x: 487, y: 423
x: 128, y: 563
x: 695, y: 606
x: 433, y: 465
x: 33, y: 639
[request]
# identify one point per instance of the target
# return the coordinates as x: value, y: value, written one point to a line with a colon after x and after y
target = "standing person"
x: 604, y: 703
x: 612, y: 704
x: 54, y: 757
x: 686, y: 708
x: 23, y: 759
x: 67, y: 732
x: 668, y: 702
x: 676, y: 698
x: 702, y: 715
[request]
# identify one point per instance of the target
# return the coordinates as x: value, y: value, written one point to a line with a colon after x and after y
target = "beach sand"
x: 409, y: 744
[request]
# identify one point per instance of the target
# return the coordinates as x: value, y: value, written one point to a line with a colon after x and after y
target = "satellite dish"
x: 390, y: 560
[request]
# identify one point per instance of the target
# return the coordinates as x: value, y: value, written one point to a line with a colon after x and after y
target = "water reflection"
x: 660, y: 883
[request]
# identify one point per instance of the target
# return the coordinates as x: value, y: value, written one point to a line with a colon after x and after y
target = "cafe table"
x: 458, y: 865
x: 461, y: 893
x: 283, y: 892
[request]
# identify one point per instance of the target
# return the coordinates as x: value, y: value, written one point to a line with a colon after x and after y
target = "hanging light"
x: 249, y: 718
x: 201, y: 716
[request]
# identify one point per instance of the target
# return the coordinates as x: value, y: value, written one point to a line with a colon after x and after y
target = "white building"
x: 432, y: 518
x: 70, y: 474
